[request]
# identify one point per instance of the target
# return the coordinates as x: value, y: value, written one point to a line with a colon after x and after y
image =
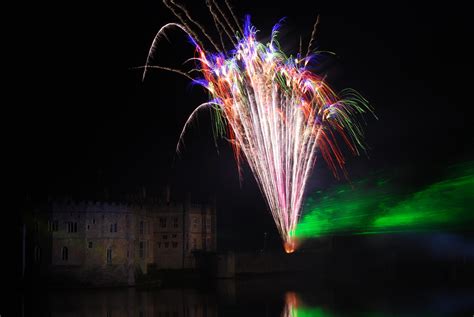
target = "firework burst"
x: 277, y: 114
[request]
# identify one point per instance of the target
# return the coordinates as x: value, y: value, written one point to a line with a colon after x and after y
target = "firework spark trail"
x: 233, y: 16
x: 216, y: 23
x: 277, y: 113
x: 195, y: 23
x: 209, y: 4
x: 313, y: 33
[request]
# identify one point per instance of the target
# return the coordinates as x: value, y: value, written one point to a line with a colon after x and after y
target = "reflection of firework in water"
x: 291, y: 304
x: 294, y: 307
x: 274, y: 110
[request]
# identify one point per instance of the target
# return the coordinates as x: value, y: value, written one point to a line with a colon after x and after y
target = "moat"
x: 258, y: 296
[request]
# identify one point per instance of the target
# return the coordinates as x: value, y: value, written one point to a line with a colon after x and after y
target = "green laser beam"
x: 374, y: 205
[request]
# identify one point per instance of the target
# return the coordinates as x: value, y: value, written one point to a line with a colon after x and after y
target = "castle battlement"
x: 94, y: 206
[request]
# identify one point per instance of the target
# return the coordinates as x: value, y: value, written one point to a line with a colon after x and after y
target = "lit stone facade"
x: 174, y: 243
x: 107, y: 242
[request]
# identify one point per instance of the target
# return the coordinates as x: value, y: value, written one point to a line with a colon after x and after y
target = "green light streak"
x: 310, y: 312
x: 374, y: 206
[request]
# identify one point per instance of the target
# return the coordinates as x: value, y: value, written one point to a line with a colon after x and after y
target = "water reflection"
x: 131, y: 302
x: 250, y: 297
x: 438, y: 306
x: 294, y: 307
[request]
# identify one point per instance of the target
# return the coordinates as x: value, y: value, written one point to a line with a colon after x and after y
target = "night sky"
x: 89, y: 125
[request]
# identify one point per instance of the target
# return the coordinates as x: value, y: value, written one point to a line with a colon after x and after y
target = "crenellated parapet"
x: 92, y: 207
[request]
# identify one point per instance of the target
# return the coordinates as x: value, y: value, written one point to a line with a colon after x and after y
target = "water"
x: 267, y: 296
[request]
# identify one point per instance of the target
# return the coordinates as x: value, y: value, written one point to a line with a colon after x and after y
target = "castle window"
x: 142, y: 250
x: 174, y: 235
x: 159, y: 245
x: 90, y: 244
x: 167, y: 245
x: 71, y: 226
x: 175, y: 222
x: 64, y: 254
x: 109, y: 256
x: 54, y: 226
x: 141, y: 227
x: 165, y: 237
x: 88, y: 227
x: 162, y: 222
x: 37, y: 254
x: 113, y: 227
x: 194, y: 244
x: 93, y: 221
x: 174, y: 244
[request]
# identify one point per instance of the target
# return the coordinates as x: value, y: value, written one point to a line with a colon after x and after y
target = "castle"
x: 110, y: 243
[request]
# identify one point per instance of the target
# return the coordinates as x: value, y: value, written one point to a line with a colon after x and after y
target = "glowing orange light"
x: 290, y: 246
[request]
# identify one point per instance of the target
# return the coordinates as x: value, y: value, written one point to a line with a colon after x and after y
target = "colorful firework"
x: 275, y: 112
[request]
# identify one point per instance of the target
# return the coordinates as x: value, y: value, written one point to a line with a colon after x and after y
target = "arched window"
x: 65, y: 254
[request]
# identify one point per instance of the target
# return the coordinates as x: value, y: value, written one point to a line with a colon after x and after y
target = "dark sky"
x: 87, y: 122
